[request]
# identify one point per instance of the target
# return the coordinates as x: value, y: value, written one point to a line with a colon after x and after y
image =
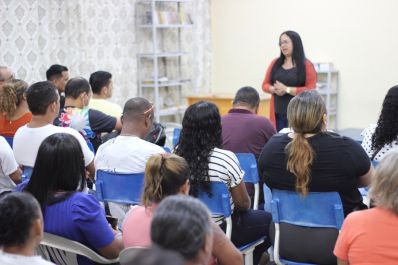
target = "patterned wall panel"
x: 87, y: 36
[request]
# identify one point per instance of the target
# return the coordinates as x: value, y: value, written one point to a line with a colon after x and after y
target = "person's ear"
x: 184, y: 189
x: 37, y: 229
x: 256, y: 109
x: 208, y: 246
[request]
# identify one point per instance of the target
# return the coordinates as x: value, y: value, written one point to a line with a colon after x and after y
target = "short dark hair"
x: 152, y: 256
x: 55, y: 71
x: 75, y: 86
x: 192, y: 219
x: 18, y: 212
x: 40, y: 95
x: 135, y: 107
x: 248, y: 96
x: 59, y: 165
x: 98, y: 80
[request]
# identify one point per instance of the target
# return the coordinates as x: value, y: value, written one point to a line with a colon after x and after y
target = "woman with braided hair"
x: 381, y: 138
x: 14, y: 111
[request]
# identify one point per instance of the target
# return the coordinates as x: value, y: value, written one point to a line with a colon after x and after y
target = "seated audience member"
x: 243, y: 131
x: 165, y: 175
x: 6, y: 75
x: 128, y: 152
x: 200, y: 144
x: 21, y: 230
x: 58, y: 75
x: 102, y: 87
x: 381, y: 138
x: 13, y: 107
x: 43, y: 101
x: 10, y: 174
x: 152, y: 256
x: 314, y: 160
x: 183, y: 224
x: 57, y: 182
x: 370, y: 236
x: 78, y: 94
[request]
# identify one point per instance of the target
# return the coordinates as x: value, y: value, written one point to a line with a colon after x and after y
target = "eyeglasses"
x: 284, y: 42
x: 149, y: 111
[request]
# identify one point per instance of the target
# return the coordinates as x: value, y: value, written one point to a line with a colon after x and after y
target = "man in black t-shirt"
x: 76, y: 114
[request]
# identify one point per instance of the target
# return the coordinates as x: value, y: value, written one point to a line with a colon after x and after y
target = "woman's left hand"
x: 280, y: 88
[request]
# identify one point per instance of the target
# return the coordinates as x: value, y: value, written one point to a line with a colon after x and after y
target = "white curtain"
x: 90, y: 35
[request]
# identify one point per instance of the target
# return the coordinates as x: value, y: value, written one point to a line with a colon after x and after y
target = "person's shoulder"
x: 218, y: 151
x: 83, y: 200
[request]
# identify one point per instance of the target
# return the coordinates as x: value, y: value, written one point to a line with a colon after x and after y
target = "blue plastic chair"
x: 248, y: 163
x: 317, y: 209
x: 219, y: 204
x: 119, y: 187
x: 167, y: 149
x: 10, y: 140
x: 176, y: 136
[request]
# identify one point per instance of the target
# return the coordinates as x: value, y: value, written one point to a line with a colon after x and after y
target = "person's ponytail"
x: 153, y: 180
x: 299, y: 159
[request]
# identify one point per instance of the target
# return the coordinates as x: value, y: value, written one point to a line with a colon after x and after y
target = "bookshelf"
x: 328, y: 86
x: 160, y: 69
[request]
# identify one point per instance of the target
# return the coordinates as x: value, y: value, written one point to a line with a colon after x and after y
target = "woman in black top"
x: 312, y: 159
x: 287, y: 76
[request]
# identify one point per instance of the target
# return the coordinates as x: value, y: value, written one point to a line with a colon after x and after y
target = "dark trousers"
x: 281, y: 121
x: 248, y: 226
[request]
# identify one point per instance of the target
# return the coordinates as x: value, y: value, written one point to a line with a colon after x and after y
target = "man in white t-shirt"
x: 129, y: 152
x: 10, y: 174
x: 21, y: 229
x: 43, y: 101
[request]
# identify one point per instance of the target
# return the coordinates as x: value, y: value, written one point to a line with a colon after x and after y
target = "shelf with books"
x: 164, y: 53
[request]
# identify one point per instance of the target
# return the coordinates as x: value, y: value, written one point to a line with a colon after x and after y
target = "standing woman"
x: 287, y: 76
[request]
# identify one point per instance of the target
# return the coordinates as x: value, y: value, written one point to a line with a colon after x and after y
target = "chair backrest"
x: 119, y: 187
x: 249, y: 164
x: 10, y: 140
x: 317, y: 209
x: 27, y: 173
x: 64, y: 251
x: 375, y: 163
x: 176, y: 135
x: 219, y: 203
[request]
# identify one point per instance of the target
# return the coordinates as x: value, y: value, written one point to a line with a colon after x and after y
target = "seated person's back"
x: 102, y: 85
x: 369, y: 236
x: 243, y: 131
x: 58, y: 182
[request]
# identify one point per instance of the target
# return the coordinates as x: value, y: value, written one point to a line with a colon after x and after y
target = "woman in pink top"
x: 370, y: 236
x: 165, y: 175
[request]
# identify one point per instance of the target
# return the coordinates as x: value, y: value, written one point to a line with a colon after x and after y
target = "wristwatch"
x: 288, y: 89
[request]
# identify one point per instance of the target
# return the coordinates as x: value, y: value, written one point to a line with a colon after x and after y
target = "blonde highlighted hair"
x: 384, y: 185
x: 305, y: 114
x: 165, y: 174
x: 11, y: 95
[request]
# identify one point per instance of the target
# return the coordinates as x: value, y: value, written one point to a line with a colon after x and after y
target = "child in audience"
x: 370, y: 236
x: 183, y: 224
x: 165, y: 175
x: 21, y: 230
x: 381, y: 138
x: 57, y: 182
x: 13, y: 107
x: 200, y: 144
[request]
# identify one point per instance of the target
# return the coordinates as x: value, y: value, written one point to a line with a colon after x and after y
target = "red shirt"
x: 8, y: 128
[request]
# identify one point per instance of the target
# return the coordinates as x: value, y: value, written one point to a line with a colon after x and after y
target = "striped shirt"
x: 224, y: 167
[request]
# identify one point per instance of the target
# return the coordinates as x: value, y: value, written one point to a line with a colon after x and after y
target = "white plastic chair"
x: 64, y: 251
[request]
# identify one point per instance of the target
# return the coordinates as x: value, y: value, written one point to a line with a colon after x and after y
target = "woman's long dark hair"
x: 60, y: 167
x: 200, y: 134
x: 387, y: 125
x: 298, y: 57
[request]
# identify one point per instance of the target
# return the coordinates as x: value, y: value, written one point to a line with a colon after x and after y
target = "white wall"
x: 360, y: 38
